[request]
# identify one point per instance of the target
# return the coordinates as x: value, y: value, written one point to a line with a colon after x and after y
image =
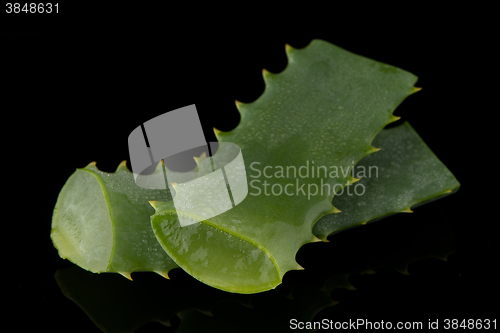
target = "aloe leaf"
x: 96, y: 223
x: 404, y: 174
x: 325, y: 107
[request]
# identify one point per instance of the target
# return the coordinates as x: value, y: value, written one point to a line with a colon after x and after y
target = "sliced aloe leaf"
x: 325, y: 107
x: 404, y: 174
x: 101, y: 223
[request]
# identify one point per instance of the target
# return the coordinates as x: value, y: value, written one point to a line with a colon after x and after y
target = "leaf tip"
x: 122, y: 166
x: 415, y: 89
x: 200, y: 158
x: 154, y: 204
x: 333, y: 210
x: 164, y: 274
x: 127, y: 275
x: 316, y: 239
x: 218, y: 133
x: 238, y: 103
x: 92, y: 165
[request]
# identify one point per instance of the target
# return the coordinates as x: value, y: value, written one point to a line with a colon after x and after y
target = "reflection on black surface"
x: 115, y: 304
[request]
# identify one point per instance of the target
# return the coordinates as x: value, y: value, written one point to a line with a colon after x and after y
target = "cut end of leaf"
x: 81, y: 210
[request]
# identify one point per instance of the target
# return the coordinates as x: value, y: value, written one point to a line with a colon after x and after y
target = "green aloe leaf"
x: 404, y: 174
x: 323, y: 109
x: 101, y: 223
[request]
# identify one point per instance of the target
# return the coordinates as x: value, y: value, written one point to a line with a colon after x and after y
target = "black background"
x: 74, y: 85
